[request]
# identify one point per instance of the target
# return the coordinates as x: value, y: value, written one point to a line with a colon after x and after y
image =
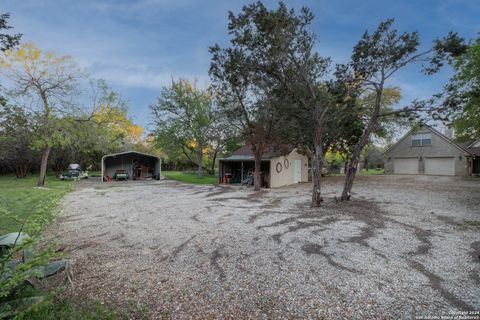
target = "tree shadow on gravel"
x: 304, y: 217
x: 313, y: 248
x: 373, y: 219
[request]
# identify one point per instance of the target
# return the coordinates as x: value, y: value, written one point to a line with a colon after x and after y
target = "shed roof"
x: 245, y: 153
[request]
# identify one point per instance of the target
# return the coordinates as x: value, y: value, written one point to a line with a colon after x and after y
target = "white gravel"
x: 403, y: 247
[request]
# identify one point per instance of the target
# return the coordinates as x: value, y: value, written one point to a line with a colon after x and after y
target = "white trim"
x: 471, y: 145
x: 420, y: 136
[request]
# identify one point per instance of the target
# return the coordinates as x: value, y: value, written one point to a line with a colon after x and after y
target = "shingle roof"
x: 474, y: 151
x: 246, y: 153
x: 270, y: 151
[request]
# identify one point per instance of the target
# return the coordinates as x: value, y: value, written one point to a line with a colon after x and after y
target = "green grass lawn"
x: 94, y: 173
x: 362, y: 172
x: 22, y: 199
x: 365, y: 172
x: 190, y: 177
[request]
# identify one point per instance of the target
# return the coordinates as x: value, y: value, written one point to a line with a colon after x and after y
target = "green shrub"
x: 19, y: 263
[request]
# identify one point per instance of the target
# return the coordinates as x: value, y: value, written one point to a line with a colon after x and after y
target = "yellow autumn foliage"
x: 118, y: 121
x: 34, y: 61
x: 193, y: 144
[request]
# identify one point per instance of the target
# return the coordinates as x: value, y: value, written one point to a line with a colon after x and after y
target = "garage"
x: 131, y: 165
x: 405, y: 166
x: 440, y: 166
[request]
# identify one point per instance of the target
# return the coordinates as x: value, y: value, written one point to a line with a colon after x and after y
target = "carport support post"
x: 241, y: 173
x: 101, y: 164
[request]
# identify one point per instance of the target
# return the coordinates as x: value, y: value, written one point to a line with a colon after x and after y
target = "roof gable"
x: 432, y: 130
x: 475, y: 144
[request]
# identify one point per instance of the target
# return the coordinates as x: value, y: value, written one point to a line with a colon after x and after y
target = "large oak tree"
x: 45, y: 83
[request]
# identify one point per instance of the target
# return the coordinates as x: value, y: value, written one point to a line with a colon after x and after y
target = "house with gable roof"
x: 425, y: 151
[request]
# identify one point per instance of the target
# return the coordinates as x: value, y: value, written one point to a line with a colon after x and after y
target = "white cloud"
x: 141, y: 75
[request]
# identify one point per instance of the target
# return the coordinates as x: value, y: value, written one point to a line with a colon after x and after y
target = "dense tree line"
x: 43, y: 123
x: 269, y: 87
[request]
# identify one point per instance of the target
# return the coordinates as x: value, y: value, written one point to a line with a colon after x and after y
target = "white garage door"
x: 440, y: 166
x: 405, y: 166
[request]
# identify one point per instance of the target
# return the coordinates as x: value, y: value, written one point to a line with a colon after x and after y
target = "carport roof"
x: 129, y: 152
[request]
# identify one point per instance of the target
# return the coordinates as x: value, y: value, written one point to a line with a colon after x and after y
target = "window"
x: 421, y: 139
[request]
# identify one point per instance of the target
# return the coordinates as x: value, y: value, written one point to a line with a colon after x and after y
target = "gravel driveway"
x: 403, y: 247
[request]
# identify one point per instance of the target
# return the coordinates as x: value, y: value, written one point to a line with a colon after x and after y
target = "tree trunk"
x: 21, y: 170
x: 43, y: 166
x: 258, y: 151
x: 352, y: 167
x: 317, y: 176
x: 200, y: 161
x: 350, y: 174
x: 318, y: 156
x: 213, y: 162
x: 46, y: 136
x: 57, y: 168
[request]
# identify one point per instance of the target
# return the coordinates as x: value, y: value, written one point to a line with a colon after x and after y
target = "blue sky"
x: 138, y: 46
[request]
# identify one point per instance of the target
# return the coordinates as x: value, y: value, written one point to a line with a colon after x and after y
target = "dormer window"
x: 421, y: 139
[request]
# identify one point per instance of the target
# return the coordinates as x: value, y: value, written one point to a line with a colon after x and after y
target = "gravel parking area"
x: 403, y: 247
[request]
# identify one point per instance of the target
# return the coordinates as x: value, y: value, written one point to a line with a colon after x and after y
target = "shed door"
x: 405, y: 166
x: 440, y: 166
x: 298, y: 171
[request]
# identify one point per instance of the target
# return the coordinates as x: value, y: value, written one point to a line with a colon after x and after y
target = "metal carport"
x: 138, y: 165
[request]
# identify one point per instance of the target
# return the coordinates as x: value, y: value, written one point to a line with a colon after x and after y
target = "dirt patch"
x: 422, y: 235
x: 219, y: 192
x: 475, y: 253
x: 180, y: 247
x: 248, y: 199
x: 274, y: 203
x: 448, y: 220
x: 436, y: 283
x: 214, y: 259
x: 313, y: 248
x: 372, y: 218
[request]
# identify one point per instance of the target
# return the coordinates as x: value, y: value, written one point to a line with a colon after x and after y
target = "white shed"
x: 279, y: 167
